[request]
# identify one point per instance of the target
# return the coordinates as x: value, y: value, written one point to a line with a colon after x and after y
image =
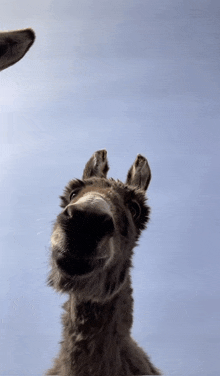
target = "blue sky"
x: 132, y: 77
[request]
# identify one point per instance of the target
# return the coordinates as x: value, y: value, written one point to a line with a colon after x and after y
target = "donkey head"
x: 94, y: 235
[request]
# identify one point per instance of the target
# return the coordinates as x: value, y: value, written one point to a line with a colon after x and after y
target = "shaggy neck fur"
x: 97, y: 341
x: 94, y: 333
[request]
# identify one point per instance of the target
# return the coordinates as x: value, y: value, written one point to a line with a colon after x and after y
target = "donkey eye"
x: 74, y: 193
x: 135, y: 209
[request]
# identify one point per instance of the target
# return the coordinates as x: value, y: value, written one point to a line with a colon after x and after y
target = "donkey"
x: 14, y: 45
x: 92, y: 245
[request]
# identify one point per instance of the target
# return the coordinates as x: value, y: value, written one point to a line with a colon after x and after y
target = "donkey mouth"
x: 80, y: 242
x: 75, y: 266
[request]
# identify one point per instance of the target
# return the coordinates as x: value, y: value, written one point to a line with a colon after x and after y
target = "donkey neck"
x: 94, y: 319
x: 94, y: 334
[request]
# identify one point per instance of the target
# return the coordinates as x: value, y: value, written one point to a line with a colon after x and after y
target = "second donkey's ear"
x: 97, y: 165
x: 139, y: 175
x: 14, y: 45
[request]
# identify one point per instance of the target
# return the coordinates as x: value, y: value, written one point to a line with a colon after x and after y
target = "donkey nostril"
x: 106, y: 225
x: 76, y: 214
x: 70, y: 210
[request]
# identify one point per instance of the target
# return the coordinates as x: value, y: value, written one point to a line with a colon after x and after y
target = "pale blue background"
x: 133, y: 77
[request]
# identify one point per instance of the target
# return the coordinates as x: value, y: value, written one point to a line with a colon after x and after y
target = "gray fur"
x: 98, y: 228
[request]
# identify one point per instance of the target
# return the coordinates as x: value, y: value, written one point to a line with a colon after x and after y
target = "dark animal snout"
x: 83, y: 229
x: 88, y: 227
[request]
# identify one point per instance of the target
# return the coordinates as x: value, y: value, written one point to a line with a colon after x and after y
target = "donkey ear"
x: 14, y: 45
x: 139, y: 174
x: 97, y: 165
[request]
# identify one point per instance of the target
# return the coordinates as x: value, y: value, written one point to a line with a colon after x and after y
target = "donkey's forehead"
x: 99, y: 188
x: 103, y: 185
x: 89, y: 184
x: 104, y: 191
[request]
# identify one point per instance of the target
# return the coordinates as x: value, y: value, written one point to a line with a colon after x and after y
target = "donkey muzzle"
x: 84, y: 224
